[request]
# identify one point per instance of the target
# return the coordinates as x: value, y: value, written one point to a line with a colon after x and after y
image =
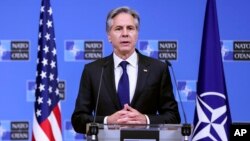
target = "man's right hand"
x: 114, y: 118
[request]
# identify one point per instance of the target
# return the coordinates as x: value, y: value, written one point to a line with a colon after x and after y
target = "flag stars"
x: 45, y: 62
x: 42, y: 9
x: 50, y: 89
x: 46, y: 49
x: 47, y: 36
x: 49, y: 102
x: 38, y: 48
x: 53, y: 64
x: 39, y: 35
x: 49, y: 23
x: 57, y: 92
x: 41, y: 22
x: 54, y: 51
x: 51, y: 77
x: 43, y: 74
x: 41, y: 87
x: 40, y: 100
x: 50, y: 11
x: 38, y: 112
x: 37, y: 60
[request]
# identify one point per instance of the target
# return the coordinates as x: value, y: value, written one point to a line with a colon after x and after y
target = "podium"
x: 155, y: 132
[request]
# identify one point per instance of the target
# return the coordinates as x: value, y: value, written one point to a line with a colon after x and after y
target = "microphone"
x: 92, y: 133
x: 186, y: 128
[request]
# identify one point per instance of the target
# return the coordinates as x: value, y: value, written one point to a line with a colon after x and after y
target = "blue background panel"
x: 84, y: 20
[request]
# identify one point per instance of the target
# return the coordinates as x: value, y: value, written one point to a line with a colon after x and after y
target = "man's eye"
x: 131, y: 28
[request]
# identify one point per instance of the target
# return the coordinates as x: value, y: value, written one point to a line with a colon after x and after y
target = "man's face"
x: 123, y: 34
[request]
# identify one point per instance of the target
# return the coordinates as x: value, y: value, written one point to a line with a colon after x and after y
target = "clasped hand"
x: 127, y: 115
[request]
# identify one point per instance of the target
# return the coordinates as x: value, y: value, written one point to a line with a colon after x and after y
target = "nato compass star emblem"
x: 212, y: 117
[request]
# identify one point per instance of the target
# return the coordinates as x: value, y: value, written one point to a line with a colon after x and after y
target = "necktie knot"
x: 123, y: 64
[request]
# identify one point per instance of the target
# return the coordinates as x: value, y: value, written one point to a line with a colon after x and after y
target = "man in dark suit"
x: 147, y: 96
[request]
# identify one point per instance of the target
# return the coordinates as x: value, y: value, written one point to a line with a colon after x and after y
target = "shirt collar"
x: 133, y: 60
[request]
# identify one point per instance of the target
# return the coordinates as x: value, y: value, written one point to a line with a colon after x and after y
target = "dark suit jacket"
x: 153, y: 95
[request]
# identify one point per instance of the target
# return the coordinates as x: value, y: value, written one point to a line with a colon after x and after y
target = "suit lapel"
x: 110, y: 85
x: 143, y: 71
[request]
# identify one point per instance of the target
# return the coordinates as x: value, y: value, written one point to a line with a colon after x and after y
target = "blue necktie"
x: 123, y: 85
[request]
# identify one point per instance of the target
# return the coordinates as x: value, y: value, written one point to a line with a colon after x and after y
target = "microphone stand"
x: 186, y: 127
x: 186, y: 131
x: 92, y: 134
x: 93, y: 128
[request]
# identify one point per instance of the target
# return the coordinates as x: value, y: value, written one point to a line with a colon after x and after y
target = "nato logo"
x: 213, y: 117
x: 19, y: 130
x: 70, y: 134
x: 162, y: 50
x: 5, y: 130
x: 227, y: 50
x: 31, y: 88
x: 14, y: 50
x: 187, y: 90
x: 14, y: 130
x: 235, y: 50
x: 80, y: 50
x: 241, y: 50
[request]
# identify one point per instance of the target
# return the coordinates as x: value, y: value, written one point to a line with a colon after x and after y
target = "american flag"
x: 212, y: 114
x: 47, y: 114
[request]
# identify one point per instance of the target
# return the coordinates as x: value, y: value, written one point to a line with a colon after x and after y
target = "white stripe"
x: 38, y: 133
x: 213, y: 93
x: 55, y: 127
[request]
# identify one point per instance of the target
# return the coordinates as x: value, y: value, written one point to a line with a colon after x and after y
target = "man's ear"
x: 109, y: 38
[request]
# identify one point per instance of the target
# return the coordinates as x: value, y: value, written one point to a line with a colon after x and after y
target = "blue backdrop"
x: 78, y: 21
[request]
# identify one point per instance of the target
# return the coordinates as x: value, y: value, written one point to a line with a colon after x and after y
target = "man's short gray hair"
x: 123, y: 9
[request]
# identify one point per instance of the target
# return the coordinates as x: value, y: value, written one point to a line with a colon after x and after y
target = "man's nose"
x: 125, y: 32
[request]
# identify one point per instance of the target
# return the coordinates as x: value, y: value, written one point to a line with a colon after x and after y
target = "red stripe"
x: 46, y: 127
x: 33, y: 138
x: 57, y: 114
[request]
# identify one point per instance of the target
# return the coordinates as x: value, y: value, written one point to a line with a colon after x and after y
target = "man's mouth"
x: 125, y: 43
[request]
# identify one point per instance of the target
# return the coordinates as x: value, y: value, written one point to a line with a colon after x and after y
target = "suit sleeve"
x: 168, y: 112
x: 85, y: 103
x: 82, y: 105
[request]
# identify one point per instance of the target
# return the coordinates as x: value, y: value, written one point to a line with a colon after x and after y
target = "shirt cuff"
x: 105, y: 121
x: 148, y: 121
